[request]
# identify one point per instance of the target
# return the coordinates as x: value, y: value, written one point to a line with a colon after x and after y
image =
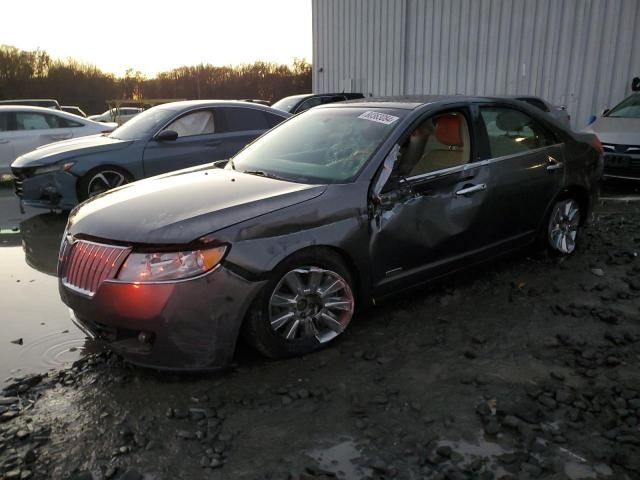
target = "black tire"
x: 563, y: 221
x: 257, y: 329
x: 86, y: 185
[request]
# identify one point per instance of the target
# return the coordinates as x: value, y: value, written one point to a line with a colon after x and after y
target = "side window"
x: 31, y: 121
x: 4, y: 121
x: 65, y: 122
x: 511, y: 131
x: 272, y: 120
x: 196, y: 123
x: 439, y: 142
x: 239, y: 119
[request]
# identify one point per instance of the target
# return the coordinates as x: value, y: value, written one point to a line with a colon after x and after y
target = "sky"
x: 155, y: 36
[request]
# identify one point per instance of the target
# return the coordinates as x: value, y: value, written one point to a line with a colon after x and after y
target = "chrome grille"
x: 85, y: 265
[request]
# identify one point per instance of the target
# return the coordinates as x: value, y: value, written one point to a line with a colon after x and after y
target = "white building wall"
x: 578, y: 53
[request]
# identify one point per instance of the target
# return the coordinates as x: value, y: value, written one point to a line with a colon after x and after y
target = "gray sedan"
x: 164, y: 138
x: 337, y: 206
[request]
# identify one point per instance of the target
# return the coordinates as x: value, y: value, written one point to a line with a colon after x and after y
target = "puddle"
x: 30, y: 307
x: 481, y: 448
x: 341, y: 459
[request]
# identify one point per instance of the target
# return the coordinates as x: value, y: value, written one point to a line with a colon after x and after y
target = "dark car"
x: 167, y: 137
x: 299, y: 103
x: 340, y: 205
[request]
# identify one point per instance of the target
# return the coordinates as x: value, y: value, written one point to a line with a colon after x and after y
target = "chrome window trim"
x: 472, y: 165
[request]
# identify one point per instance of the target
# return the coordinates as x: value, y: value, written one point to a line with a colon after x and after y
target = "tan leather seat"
x: 447, y: 147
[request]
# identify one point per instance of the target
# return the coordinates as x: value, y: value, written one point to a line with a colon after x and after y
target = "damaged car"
x: 334, y: 208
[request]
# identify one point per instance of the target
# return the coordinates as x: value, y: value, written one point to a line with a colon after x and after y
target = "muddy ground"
x: 527, y: 368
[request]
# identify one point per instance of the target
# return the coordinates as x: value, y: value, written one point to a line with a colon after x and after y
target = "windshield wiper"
x: 262, y: 173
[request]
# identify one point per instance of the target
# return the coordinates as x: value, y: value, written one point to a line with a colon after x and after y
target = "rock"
x: 557, y: 375
x: 185, y: 434
x: 14, y: 475
x: 511, y: 422
x: 8, y: 400
x: 598, y: 272
x: 131, y: 475
x: 444, y: 451
x: 84, y: 475
x: 216, y: 463
x: 492, y: 427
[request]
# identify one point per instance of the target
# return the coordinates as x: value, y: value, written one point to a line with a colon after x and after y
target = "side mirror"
x: 166, y: 136
x: 604, y: 112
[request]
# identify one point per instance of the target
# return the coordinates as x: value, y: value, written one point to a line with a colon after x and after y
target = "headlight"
x: 163, y: 266
x: 53, y: 168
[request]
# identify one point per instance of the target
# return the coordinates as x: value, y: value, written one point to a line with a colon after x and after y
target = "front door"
x: 198, y: 143
x: 427, y: 218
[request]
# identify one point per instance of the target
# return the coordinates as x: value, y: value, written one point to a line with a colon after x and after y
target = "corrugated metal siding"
x: 579, y: 53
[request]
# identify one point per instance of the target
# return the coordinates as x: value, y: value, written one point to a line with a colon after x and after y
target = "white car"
x: 120, y: 115
x: 25, y: 128
x: 619, y: 132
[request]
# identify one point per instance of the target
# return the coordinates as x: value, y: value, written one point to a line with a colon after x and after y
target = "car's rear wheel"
x: 564, y: 226
x: 101, y: 180
x: 307, y: 302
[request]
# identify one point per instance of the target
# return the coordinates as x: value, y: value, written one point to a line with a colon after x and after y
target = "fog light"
x: 145, y: 337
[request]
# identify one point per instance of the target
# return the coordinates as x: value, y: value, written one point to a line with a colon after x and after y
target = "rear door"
x: 198, y: 142
x: 33, y: 129
x: 527, y: 170
x: 7, y: 152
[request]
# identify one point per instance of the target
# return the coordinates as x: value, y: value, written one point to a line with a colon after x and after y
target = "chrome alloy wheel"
x: 311, y: 302
x: 563, y: 225
x: 103, y: 181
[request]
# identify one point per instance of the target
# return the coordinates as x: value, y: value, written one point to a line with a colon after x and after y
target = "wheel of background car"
x: 101, y: 180
x: 563, y: 226
x: 307, y: 302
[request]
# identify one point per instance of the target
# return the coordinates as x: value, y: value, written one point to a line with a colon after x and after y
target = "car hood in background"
x: 185, y: 205
x: 620, y: 131
x: 55, y: 152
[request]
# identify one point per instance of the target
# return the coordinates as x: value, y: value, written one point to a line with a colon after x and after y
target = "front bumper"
x: 186, y: 325
x: 622, y: 166
x: 55, y: 190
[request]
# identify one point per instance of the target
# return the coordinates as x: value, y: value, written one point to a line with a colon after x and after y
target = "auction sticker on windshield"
x: 379, y: 117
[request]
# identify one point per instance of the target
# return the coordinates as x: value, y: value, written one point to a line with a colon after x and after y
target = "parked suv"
x: 299, y: 103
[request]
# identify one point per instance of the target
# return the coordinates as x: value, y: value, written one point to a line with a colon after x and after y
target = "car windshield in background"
x: 320, y: 146
x: 628, y: 108
x: 143, y: 124
x: 287, y: 103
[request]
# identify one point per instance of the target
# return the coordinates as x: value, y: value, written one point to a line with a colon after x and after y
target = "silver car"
x: 619, y: 131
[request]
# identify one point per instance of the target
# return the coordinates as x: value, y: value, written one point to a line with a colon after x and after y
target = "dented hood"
x: 185, y: 205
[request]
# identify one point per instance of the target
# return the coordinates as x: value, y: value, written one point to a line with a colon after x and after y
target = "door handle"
x: 473, y: 189
x: 553, y: 164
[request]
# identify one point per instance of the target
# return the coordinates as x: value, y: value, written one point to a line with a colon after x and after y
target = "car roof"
x: 28, y: 108
x: 411, y: 102
x: 220, y: 103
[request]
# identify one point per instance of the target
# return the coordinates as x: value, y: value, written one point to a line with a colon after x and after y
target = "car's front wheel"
x: 564, y: 226
x: 101, y: 180
x: 307, y: 302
